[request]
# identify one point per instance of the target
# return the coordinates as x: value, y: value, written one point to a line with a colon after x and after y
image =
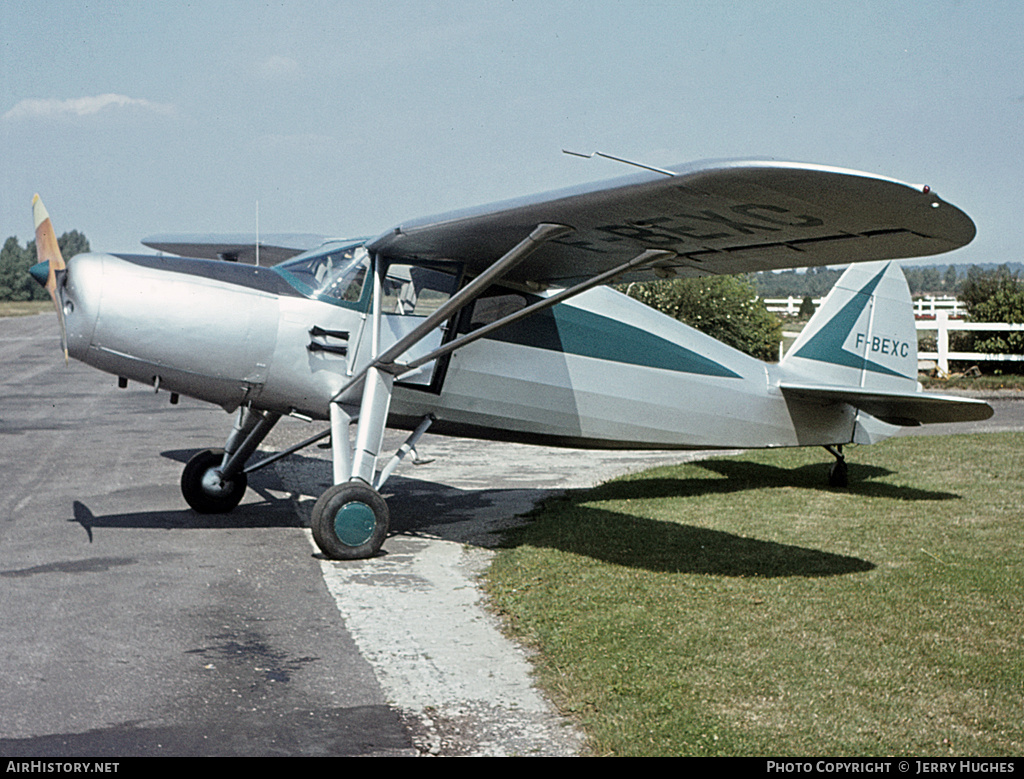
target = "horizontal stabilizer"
x: 896, y: 408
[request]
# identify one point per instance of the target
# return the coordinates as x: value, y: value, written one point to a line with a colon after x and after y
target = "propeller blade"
x: 48, y: 253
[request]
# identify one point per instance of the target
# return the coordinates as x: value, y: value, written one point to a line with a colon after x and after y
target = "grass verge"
x: 985, y: 382
x: 737, y: 606
x: 24, y: 308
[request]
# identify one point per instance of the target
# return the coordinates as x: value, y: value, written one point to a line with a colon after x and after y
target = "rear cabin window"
x: 491, y: 308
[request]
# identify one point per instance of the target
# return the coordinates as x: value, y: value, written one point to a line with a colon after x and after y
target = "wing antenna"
x: 590, y: 156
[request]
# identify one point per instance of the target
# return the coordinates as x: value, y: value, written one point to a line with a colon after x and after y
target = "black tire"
x: 208, y: 498
x: 350, y: 521
x: 838, y: 475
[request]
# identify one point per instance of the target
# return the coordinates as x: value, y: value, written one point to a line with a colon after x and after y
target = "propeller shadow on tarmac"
x: 274, y: 512
x: 268, y: 511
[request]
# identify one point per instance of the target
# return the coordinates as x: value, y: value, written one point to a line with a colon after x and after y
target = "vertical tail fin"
x: 862, y: 336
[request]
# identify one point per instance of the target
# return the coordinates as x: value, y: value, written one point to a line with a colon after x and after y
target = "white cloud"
x: 279, y: 66
x: 51, y: 108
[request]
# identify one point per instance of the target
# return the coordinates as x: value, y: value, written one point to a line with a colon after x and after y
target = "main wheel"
x: 350, y: 521
x: 203, y: 487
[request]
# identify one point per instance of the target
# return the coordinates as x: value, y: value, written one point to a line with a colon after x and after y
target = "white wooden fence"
x: 789, y: 306
x: 927, y: 306
x: 943, y: 325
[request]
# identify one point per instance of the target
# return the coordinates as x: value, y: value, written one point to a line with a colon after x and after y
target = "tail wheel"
x: 350, y: 521
x: 838, y: 475
x: 203, y: 487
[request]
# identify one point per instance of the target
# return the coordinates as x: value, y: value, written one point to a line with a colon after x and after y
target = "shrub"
x: 724, y: 307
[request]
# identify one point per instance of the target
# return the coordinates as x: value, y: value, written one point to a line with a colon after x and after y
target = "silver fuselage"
x: 600, y: 370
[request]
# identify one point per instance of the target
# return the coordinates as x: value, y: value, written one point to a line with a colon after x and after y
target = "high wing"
x: 236, y: 247
x: 716, y: 217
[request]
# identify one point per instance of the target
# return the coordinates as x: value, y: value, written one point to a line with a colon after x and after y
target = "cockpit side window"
x: 417, y: 290
x: 345, y: 287
x: 341, y: 275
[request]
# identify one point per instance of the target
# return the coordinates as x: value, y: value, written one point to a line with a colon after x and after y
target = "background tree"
x: 816, y: 282
x: 15, y: 282
x: 950, y: 280
x: 993, y: 296
x: 812, y: 282
x: 724, y: 307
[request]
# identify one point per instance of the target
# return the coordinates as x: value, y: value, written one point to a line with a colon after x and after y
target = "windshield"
x: 335, y: 273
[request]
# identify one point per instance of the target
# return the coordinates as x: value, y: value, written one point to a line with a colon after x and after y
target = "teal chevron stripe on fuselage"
x: 826, y: 345
x: 575, y: 331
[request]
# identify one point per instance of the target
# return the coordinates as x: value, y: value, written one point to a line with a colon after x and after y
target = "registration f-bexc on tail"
x: 495, y: 323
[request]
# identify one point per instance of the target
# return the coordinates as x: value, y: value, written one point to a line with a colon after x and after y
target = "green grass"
x: 738, y: 606
x: 24, y: 308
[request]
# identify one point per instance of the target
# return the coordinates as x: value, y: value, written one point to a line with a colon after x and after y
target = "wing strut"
x: 646, y: 258
x: 469, y: 293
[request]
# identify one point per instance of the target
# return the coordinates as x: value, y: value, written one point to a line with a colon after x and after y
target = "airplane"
x: 497, y: 322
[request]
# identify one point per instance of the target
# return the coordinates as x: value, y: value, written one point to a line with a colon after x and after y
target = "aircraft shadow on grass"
x: 741, y: 475
x: 639, y: 542
x: 668, y: 547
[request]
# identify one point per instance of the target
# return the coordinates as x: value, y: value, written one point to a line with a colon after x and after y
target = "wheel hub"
x: 354, y: 523
x: 214, y: 484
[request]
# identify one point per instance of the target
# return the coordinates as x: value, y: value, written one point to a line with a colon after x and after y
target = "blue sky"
x: 349, y: 117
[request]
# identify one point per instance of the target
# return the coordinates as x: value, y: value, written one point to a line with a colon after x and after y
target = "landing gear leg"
x: 213, y: 481
x: 838, y: 473
x: 350, y: 520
